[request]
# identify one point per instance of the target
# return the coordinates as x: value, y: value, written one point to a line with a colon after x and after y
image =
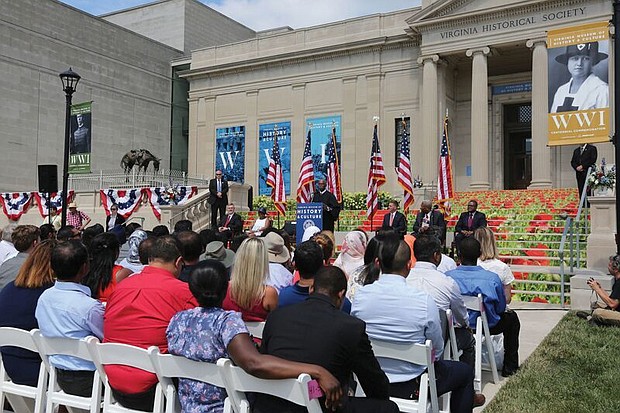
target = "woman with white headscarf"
x: 351, y: 258
x: 132, y: 264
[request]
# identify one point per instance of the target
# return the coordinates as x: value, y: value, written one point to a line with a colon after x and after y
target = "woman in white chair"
x: 261, y: 223
x: 489, y: 259
x: 208, y: 332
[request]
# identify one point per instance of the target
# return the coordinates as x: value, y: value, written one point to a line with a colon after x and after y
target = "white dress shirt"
x: 397, y: 313
x: 279, y: 277
x: 7, y: 250
x: 424, y: 276
x: 500, y: 268
x: 446, y: 264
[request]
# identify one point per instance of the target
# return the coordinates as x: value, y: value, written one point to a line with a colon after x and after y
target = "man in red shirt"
x: 138, y: 313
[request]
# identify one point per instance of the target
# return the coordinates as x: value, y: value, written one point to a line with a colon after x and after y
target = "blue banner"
x: 321, y: 134
x: 230, y: 152
x: 308, y: 215
x: 266, y: 132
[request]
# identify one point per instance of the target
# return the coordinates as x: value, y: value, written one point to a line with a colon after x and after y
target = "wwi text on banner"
x: 81, y: 138
x: 578, y: 76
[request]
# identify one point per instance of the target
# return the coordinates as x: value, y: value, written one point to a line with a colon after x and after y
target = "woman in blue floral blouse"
x: 208, y: 332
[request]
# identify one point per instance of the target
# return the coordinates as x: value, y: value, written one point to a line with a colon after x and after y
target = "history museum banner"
x: 578, y: 76
x: 266, y: 132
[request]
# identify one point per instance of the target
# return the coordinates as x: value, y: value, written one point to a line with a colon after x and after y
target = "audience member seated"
x: 160, y: 230
x: 218, y: 252
x: 248, y: 292
x: 67, y: 310
x: 351, y: 257
x: 230, y: 225
x: 369, y: 273
x: 24, y: 238
x: 68, y: 232
x: 473, y: 280
x: 279, y: 258
x: 394, y: 219
x: 396, y: 312
x: 132, y: 264
x: 208, y: 332
x: 18, y: 301
x: 183, y: 225
x: 316, y: 331
x: 191, y: 248
x: 310, y: 232
x: 468, y: 222
x: 489, y: 260
x: 7, y: 249
x: 207, y: 236
x: 606, y: 310
x: 101, y: 277
x: 429, y: 217
x: 47, y: 232
x: 425, y: 277
x: 260, y: 224
x: 138, y: 313
x: 237, y: 240
x: 129, y: 229
x: 91, y: 232
x: 144, y: 251
x: 308, y: 260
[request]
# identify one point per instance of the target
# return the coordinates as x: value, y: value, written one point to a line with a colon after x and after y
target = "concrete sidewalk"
x: 537, y: 320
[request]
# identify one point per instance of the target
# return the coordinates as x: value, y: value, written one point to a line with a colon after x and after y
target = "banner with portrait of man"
x: 230, y: 152
x: 266, y: 133
x: 578, y: 76
x: 80, y: 138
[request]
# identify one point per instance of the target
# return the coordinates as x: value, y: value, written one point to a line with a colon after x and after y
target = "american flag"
x: 376, y: 176
x: 275, y: 178
x: 404, y: 169
x: 445, y: 189
x: 305, y: 185
x: 333, y: 169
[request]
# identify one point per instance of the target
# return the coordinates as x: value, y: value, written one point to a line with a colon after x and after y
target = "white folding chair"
x: 50, y: 346
x: 168, y: 366
x: 255, y: 328
x: 451, y: 351
x: 238, y: 382
x: 475, y: 303
x: 125, y: 355
x: 23, y: 398
x: 422, y: 355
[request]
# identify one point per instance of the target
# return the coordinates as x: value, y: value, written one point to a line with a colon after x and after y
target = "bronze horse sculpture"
x: 140, y: 157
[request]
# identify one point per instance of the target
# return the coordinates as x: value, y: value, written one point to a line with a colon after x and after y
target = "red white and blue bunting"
x: 128, y: 200
x: 15, y: 204
x: 176, y: 195
x: 55, y: 201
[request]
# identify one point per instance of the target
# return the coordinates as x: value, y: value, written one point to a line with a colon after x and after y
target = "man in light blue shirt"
x: 398, y: 313
x: 473, y: 280
x: 67, y: 310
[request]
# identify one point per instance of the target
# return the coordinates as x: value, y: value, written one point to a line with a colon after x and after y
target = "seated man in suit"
x: 395, y: 220
x: 230, y: 225
x: 473, y: 280
x: 428, y: 217
x: 468, y: 222
x: 316, y: 331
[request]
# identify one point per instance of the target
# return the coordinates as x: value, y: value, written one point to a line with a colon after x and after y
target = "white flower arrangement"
x: 602, y: 176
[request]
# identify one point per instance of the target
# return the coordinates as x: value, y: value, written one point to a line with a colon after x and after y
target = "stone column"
x: 541, y: 153
x: 430, y: 119
x: 479, y: 119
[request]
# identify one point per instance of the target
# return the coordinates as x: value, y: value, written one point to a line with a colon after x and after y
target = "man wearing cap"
x: 231, y: 224
x: 78, y: 219
x: 279, y: 276
x: 584, y: 90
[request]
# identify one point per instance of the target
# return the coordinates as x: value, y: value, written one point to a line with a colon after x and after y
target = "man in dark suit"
x: 331, y: 208
x: 428, y: 217
x: 468, y: 222
x: 230, y: 225
x: 218, y: 197
x: 583, y: 158
x: 395, y: 220
x: 316, y: 331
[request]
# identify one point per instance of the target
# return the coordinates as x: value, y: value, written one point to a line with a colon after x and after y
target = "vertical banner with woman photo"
x: 80, y: 139
x: 266, y: 133
x: 578, y: 84
x: 322, y: 130
x: 230, y: 152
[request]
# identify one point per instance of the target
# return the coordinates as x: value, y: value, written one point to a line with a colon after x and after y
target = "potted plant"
x: 602, y: 179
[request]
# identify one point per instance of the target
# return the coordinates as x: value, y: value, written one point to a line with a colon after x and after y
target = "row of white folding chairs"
x: 47, y: 395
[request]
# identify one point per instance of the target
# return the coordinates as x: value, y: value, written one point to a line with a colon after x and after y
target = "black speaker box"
x: 48, y: 178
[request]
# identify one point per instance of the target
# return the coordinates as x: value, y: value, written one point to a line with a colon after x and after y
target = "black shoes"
x: 586, y: 315
x: 508, y: 373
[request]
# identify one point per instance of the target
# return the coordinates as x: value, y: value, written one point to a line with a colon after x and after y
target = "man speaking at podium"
x: 331, y: 209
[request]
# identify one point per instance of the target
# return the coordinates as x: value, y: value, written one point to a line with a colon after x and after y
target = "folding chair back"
x: 50, y: 346
x: 125, y: 355
x: 238, y: 382
x: 451, y: 351
x: 22, y: 398
x: 255, y: 328
x: 168, y: 366
x: 422, y: 355
x: 476, y: 303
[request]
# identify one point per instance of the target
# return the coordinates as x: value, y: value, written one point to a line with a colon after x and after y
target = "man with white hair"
x: 7, y: 249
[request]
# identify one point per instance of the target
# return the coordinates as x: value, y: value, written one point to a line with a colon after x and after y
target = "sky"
x: 269, y: 14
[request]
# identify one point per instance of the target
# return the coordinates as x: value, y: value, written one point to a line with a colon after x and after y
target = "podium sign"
x: 308, y: 215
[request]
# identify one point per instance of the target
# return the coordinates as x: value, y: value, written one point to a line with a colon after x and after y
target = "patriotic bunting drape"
x: 305, y: 185
x: 128, y: 200
x: 376, y: 176
x: 404, y: 169
x: 15, y: 204
x: 177, y: 195
x: 55, y: 201
x: 275, y: 178
x: 333, y: 169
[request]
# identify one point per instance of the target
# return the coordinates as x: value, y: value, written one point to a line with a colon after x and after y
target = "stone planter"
x: 603, y: 191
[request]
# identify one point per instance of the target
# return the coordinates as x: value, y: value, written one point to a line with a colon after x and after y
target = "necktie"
x: 470, y: 221
x: 391, y: 219
x: 219, y: 186
x: 227, y: 220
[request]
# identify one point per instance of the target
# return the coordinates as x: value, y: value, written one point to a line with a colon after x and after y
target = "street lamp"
x: 69, y: 80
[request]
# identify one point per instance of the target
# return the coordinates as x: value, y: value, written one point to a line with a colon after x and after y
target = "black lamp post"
x: 69, y: 80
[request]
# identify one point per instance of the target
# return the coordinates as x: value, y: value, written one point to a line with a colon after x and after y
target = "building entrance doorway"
x: 517, y: 146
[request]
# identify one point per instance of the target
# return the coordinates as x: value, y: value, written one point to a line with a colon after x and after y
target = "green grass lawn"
x: 575, y: 369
